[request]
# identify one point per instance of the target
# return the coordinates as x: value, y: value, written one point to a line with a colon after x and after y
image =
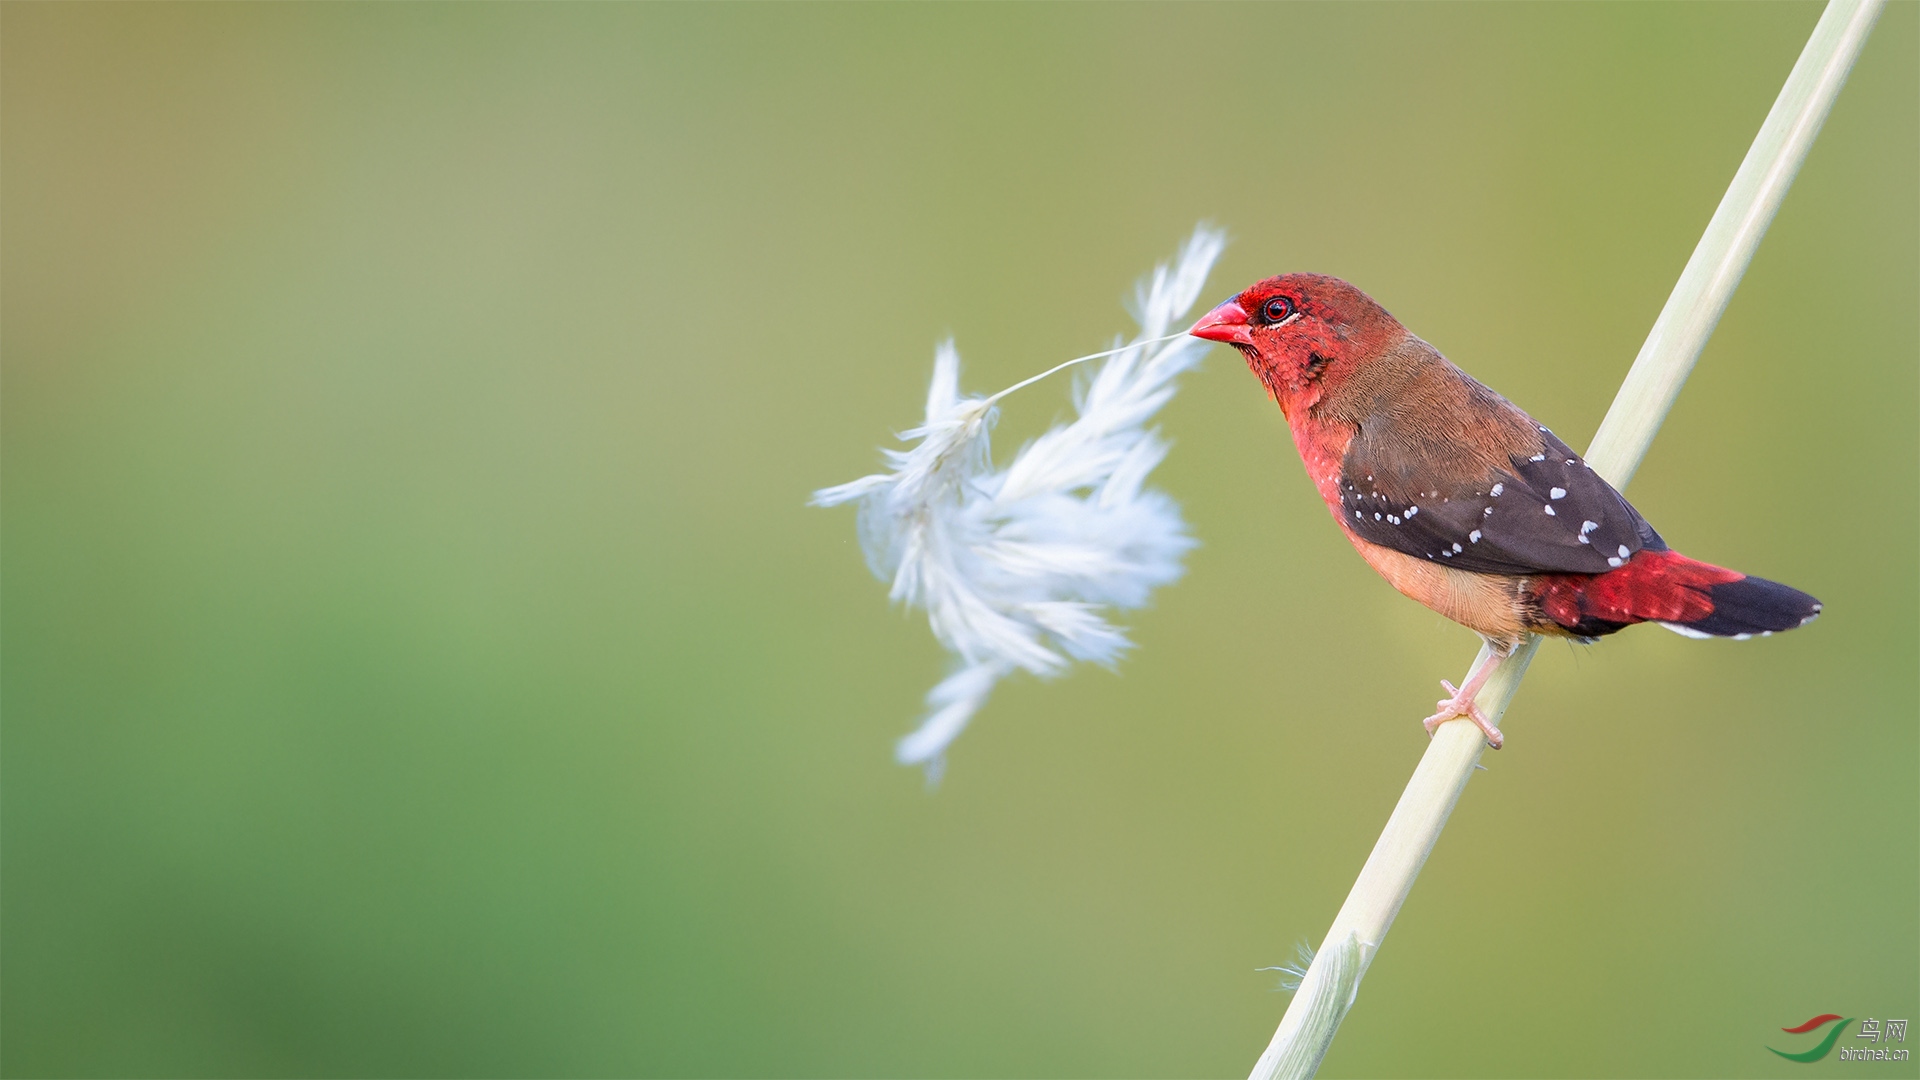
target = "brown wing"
x: 1420, y: 478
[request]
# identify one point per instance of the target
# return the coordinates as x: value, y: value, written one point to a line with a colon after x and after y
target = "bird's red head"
x: 1304, y: 335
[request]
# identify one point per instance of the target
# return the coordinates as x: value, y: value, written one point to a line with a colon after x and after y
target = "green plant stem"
x: 1332, y: 981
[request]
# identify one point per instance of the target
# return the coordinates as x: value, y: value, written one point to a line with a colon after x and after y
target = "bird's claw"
x: 1459, y: 705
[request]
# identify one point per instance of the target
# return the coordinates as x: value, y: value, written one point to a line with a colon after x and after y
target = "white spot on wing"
x: 1684, y: 631
x: 1456, y: 547
x: 1538, y: 457
x: 1624, y: 552
x: 1611, y: 561
x: 1549, y: 511
x: 1557, y: 493
x: 1473, y: 537
x: 1497, y: 489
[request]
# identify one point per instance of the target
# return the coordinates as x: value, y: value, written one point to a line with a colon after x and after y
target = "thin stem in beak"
x: 1030, y: 380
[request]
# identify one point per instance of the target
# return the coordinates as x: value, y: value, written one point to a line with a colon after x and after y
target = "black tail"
x: 1750, y: 606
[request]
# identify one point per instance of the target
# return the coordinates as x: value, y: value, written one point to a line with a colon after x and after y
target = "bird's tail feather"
x: 1684, y: 595
x: 1750, y: 606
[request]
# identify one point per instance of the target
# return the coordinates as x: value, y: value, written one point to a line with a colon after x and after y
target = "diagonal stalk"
x: 1333, y: 979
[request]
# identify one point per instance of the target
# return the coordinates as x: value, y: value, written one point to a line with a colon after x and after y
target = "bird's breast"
x: 1492, y: 605
x: 1323, y: 446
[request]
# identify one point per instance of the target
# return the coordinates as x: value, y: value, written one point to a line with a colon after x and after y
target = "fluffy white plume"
x: 1018, y: 568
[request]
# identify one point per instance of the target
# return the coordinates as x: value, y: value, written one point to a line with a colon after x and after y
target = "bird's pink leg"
x: 1461, y: 704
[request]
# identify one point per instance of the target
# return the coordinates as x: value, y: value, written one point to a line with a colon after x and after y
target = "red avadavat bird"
x: 1462, y: 501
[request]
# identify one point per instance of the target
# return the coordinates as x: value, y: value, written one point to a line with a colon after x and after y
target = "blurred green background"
x: 419, y: 658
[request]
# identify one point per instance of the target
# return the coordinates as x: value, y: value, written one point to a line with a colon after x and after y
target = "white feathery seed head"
x: 1020, y: 569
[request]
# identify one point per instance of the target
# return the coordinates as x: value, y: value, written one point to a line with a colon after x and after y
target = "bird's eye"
x: 1278, y: 309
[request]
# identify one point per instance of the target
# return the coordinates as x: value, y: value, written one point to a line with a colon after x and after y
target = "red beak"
x: 1227, y: 323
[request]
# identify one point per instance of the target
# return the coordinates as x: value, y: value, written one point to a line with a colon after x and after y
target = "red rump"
x: 1663, y: 586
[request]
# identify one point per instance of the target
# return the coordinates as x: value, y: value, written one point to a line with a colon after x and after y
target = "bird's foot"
x: 1461, y: 704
